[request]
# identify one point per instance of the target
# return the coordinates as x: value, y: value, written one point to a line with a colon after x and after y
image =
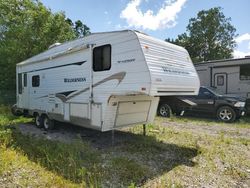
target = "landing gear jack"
x: 144, y: 129
x: 113, y: 137
x: 182, y: 113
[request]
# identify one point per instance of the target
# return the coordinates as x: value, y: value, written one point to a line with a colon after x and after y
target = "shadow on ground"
x: 88, y: 155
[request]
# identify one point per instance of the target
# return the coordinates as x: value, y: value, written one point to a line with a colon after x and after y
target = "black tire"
x: 226, y: 114
x: 48, y: 124
x: 237, y: 117
x: 38, y: 121
x: 15, y: 111
x: 164, y: 110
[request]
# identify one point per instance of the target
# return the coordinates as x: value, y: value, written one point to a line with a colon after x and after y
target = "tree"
x: 170, y: 40
x: 79, y: 28
x: 27, y: 28
x: 209, y: 36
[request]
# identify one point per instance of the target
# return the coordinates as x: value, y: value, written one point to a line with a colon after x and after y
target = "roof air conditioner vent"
x: 55, y: 45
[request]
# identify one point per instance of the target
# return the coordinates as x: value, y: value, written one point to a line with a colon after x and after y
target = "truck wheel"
x: 226, y: 114
x: 48, y: 124
x: 164, y: 110
x: 38, y: 121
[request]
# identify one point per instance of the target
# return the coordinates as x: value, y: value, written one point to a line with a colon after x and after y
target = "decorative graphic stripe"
x: 63, y: 95
x: 59, y: 95
x: 67, y: 95
x: 189, y: 102
x: 118, y: 76
x: 77, y: 63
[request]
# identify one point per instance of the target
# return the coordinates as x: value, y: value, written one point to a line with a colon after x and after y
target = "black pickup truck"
x: 225, y: 108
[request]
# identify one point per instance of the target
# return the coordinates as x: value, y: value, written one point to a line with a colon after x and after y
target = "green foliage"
x: 209, y: 36
x: 79, y: 28
x: 27, y: 28
x: 7, y: 97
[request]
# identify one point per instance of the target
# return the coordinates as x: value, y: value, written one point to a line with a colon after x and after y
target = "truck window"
x: 102, y: 58
x: 204, y: 93
x: 245, y: 72
x: 20, y: 83
x: 35, y: 81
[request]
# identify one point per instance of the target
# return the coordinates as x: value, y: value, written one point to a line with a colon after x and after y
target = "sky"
x: 158, y: 18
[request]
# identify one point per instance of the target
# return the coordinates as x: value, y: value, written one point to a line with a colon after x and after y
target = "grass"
x: 128, y: 170
x: 76, y: 162
x: 15, y: 166
x: 68, y: 165
x: 167, y: 157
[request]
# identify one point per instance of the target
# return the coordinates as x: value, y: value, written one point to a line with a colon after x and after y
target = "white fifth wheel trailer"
x: 103, y: 81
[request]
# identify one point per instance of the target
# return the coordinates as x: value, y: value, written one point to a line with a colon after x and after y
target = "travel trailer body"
x: 104, y: 81
x: 229, y: 76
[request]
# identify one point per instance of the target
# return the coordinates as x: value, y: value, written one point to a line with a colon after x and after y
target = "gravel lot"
x: 219, y: 153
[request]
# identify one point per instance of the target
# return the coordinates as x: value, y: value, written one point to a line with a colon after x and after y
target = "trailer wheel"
x: 164, y: 110
x: 48, y: 124
x: 38, y: 121
x: 226, y: 114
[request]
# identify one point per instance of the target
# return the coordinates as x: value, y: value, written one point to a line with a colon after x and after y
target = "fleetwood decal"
x: 69, y: 80
x: 174, y: 71
x: 126, y: 61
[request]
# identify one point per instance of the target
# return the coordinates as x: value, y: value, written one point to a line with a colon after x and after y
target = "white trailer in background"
x: 103, y: 81
x: 228, y: 76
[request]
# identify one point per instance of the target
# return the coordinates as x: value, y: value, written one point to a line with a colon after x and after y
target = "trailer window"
x: 102, y: 58
x: 220, y: 80
x: 20, y: 83
x: 245, y: 72
x: 35, y: 81
x: 25, y: 80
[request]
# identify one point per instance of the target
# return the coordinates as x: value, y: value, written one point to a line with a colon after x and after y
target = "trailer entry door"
x: 220, y: 82
x: 101, y: 66
x: 23, y: 91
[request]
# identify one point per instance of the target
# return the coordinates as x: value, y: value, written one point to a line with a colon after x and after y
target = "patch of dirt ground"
x: 65, y: 132
x: 213, y: 130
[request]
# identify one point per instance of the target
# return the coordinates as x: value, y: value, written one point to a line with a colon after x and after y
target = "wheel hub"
x: 163, y: 111
x: 225, y: 114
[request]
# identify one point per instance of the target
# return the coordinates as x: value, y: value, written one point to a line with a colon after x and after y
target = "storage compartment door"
x: 79, y: 110
x: 66, y: 112
x: 132, y: 112
x: 96, y: 118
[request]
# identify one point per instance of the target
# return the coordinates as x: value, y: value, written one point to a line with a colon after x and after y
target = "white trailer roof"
x: 224, y: 62
x: 79, y: 44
